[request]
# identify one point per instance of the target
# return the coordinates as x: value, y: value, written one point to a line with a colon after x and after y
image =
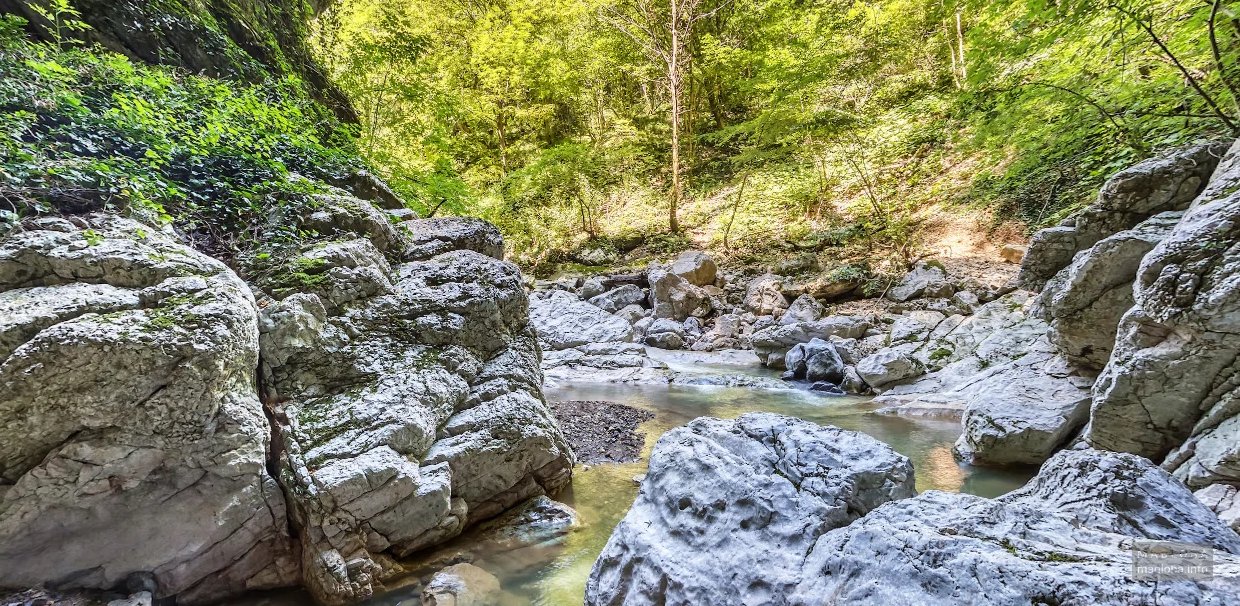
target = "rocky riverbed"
x: 367, y: 420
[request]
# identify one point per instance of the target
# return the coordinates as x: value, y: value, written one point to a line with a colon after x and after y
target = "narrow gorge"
x: 244, y: 362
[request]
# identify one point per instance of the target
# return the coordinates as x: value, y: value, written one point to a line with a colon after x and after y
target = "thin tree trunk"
x: 736, y: 204
x: 674, y: 85
x: 1218, y: 57
x: 964, y: 66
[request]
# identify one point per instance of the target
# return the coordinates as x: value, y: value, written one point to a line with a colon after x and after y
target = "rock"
x: 927, y: 279
x: 763, y: 296
x: 772, y: 344
x: 804, y: 309
x: 965, y: 350
x: 462, y: 585
x: 561, y: 321
x: 618, y: 298
x: 592, y: 287
x: 1066, y: 538
x: 142, y: 598
x: 754, y: 493
x: 1171, y: 381
x: 1021, y: 412
x: 348, y: 217
x: 1127, y: 495
x: 632, y: 313
x: 406, y: 417
x: 695, y: 266
x: 129, y: 403
x: 692, y: 327
x: 671, y: 296
x: 890, y: 366
x: 824, y: 287
x: 966, y: 300
x: 1084, y: 303
x: 827, y: 388
x: 853, y: 383
x: 823, y: 363
x: 595, y: 254
x: 665, y: 333
x: 1168, y: 182
x: 725, y: 333
x: 1012, y: 253
x: 1224, y: 500
x: 431, y: 237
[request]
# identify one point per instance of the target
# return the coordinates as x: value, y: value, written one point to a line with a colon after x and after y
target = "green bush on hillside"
x: 89, y: 129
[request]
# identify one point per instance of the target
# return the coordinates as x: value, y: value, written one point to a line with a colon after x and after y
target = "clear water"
x: 601, y: 494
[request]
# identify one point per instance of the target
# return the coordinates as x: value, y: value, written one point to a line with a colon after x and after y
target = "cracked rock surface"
x: 410, y: 408
x: 133, y: 439
x: 729, y: 509
x: 770, y: 510
x: 1174, y: 379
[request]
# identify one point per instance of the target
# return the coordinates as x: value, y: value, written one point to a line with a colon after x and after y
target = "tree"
x: 664, y: 37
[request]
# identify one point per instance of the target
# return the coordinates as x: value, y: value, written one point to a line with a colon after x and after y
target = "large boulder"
x: 563, y: 321
x: 1021, y: 412
x: 1172, y: 381
x: 618, y: 298
x: 430, y: 237
x: 665, y: 333
x: 695, y: 266
x: 1085, y: 301
x: 671, y: 296
x: 927, y: 279
x: 1165, y: 183
x: 804, y: 309
x: 763, y: 296
x: 133, y: 443
x: 408, y: 415
x: 771, y: 344
x: 730, y: 508
x: 891, y: 365
x: 817, y: 360
x: 1066, y: 538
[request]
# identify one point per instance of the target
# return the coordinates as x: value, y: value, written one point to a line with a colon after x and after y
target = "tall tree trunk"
x: 674, y: 86
x: 964, y: 66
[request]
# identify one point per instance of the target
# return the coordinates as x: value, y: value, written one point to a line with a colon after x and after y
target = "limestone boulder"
x: 804, y: 309
x: 1168, y: 182
x: 926, y: 280
x: 771, y: 344
x: 1084, y: 303
x: 1023, y: 411
x: 563, y: 321
x: 889, y: 366
x: 133, y: 441
x: 695, y: 266
x: 1066, y: 538
x: 763, y: 296
x: 674, y: 297
x: 1172, y: 380
x: 729, y: 509
x: 618, y: 298
x: 430, y: 237
x: 408, y: 416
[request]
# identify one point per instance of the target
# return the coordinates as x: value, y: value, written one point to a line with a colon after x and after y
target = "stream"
x: 555, y: 575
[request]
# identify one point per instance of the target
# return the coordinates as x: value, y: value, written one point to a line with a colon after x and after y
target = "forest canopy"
x: 752, y: 126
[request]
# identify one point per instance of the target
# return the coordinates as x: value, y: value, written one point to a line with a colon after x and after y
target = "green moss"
x: 940, y: 354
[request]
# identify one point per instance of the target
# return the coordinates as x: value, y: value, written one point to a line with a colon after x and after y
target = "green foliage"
x: 849, y: 123
x: 88, y: 129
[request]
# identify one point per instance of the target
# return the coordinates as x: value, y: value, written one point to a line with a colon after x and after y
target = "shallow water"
x: 601, y: 494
